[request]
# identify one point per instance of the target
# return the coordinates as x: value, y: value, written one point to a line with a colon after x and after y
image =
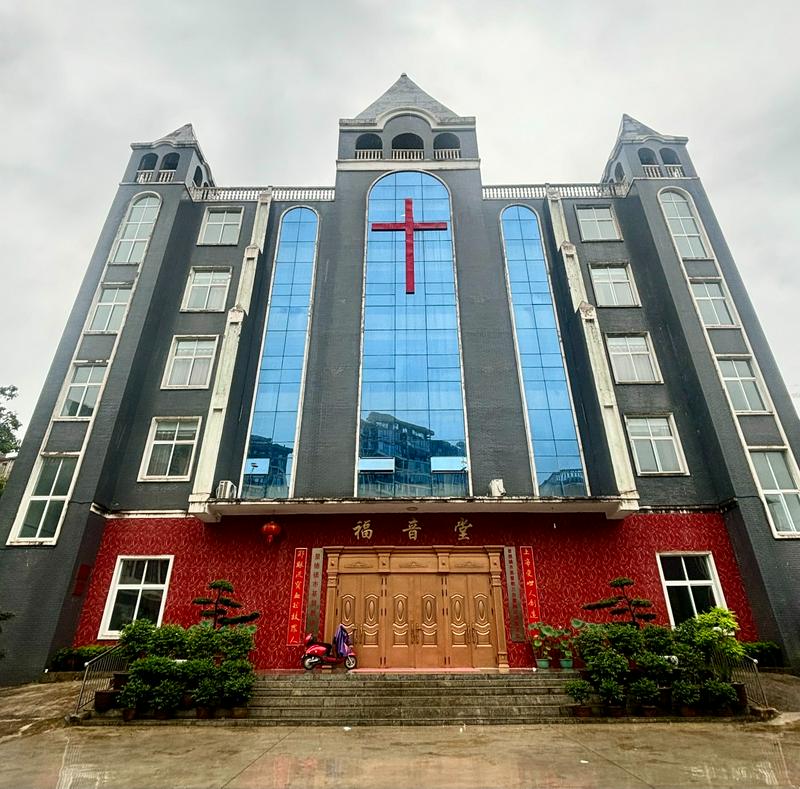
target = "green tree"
x: 9, y: 422
x: 222, y: 605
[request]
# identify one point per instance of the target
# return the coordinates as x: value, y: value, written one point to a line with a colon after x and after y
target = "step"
x: 417, y: 702
x: 411, y: 690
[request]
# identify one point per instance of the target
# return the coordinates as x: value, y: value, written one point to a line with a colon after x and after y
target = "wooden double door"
x: 419, y: 608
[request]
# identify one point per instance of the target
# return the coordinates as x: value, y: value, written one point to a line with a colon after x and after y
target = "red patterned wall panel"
x: 575, y: 556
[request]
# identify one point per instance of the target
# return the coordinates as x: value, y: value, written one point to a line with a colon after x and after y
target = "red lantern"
x: 270, y: 530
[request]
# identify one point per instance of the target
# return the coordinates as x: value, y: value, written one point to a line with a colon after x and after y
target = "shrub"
x: 153, y: 670
x: 607, y: 665
x: 168, y: 641
x: 625, y: 639
x: 579, y: 689
x: 691, y: 664
x: 611, y: 692
x: 166, y: 695
x: 135, y: 695
x: 713, y: 631
x: 767, y: 653
x: 654, y: 667
x: 644, y: 691
x: 74, y: 658
x: 590, y: 641
x: 193, y: 672
x: 208, y: 692
x: 657, y: 639
x: 236, y: 643
x: 135, y: 638
x: 718, y: 695
x: 202, y: 642
x: 685, y: 692
x: 236, y: 678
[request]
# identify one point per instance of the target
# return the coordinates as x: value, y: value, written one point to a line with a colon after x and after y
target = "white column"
x: 601, y: 373
x: 209, y: 450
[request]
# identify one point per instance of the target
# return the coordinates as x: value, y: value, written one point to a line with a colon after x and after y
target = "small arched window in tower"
x: 168, y: 167
x: 198, y: 176
x: 619, y: 173
x: 408, y: 146
x: 649, y: 163
x: 672, y: 164
x: 134, y: 233
x: 446, y: 146
x: 369, y: 146
x: 147, y: 164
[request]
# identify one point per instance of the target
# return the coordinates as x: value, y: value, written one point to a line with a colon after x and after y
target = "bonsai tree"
x: 622, y: 605
x: 222, y: 604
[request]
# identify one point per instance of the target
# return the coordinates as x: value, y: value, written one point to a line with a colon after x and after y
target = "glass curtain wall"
x: 412, y: 438
x: 269, y: 460
x: 557, y: 459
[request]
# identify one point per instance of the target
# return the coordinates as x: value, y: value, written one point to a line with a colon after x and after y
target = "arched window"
x: 668, y: 156
x: 170, y: 162
x: 446, y: 146
x: 412, y: 435
x: 649, y: 163
x: 408, y: 146
x: 198, y: 176
x: 683, y: 225
x: 551, y: 420
x: 269, y: 463
x: 135, y: 231
x: 148, y: 162
x: 619, y: 173
x: 369, y: 146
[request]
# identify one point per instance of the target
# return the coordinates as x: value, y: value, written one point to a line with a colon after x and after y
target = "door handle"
x: 354, y: 635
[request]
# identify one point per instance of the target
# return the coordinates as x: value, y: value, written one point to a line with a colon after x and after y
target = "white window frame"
x: 98, y: 301
x: 148, y: 449
x: 716, y: 586
x: 704, y: 242
x: 29, y: 497
x: 123, y: 225
x: 631, y: 282
x: 111, y: 597
x: 683, y: 472
x: 657, y: 379
x: 165, y: 384
x: 68, y: 384
x: 755, y: 378
x: 593, y: 208
x: 190, y: 283
x: 793, y: 472
x: 218, y: 209
x: 726, y: 297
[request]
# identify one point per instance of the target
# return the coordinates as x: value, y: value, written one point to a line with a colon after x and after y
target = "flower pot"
x: 687, y: 711
x: 162, y: 715
x: 119, y: 680
x: 128, y: 714
x: 665, y: 698
x: 616, y: 710
x: 649, y: 711
x: 204, y: 712
x: 565, y: 662
x: 187, y: 701
x: 582, y: 711
x: 105, y: 700
x: 542, y: 662
x: 240, y: 712
x: 741, y: 695
x: 223, y: 712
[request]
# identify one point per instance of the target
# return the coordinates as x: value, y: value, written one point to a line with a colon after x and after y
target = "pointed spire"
x: 405, y: 93
x: 182, y: 136
x: 631, y: 129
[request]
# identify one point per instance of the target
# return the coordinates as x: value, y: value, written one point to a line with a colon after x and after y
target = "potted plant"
x: 133, y: 698
x: 166, y: 697
x: 686, y: 695
x: 718, y: 697
x: 580, y: 691
x: 541, y: 637
x: 206, y: 697
x: 613, y: 695
x: 644, y: 693
x: 565, y: 648
x: 135, y: 638
x: 237, y: 678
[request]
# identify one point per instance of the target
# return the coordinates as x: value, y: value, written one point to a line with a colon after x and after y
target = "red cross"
x: 408, y: 227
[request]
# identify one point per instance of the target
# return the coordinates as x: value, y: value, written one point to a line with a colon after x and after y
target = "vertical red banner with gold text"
x: 531, y: 590
x: 296, y: 597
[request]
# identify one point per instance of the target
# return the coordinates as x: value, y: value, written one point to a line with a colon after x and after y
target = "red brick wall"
x: 575, y: 557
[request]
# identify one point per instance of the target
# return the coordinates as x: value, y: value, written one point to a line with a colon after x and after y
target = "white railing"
x: 369, y: 153
x: 238, y: 194
x: 539, y: 191
x: 674, y: 170
x: 407, y: 153
x: 144, y: 176
x: 651, y: 171
x: 447, y: 153
x: 166, y: 176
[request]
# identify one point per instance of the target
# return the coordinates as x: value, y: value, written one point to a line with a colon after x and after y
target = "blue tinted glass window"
x: 554, y: 437
x: 268, y: 465
x: 412, y: 405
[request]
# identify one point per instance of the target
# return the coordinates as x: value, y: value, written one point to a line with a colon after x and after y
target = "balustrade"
x: 166, y: 176
x: 447, y: 153
x: 144, y: 176
x: 674, y: 170
x: 408, y: 153
x: 369, y: 153
x: 651, y: 171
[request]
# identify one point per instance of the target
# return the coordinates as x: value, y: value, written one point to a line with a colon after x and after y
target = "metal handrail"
x: 98, y: 671
x: 744, y: 670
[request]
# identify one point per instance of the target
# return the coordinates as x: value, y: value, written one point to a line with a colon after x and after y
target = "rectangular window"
x: 655, y: 445
x: 597, y: 223
x: 742, y: 385
x: 170, y: 449
x: 690, y: 585
x: 221, y: 226
x: 49, y: 498
x: 81, y: 397
x: 138, y: 591
x: 110, y: 309
x: 712, y: 303
x: 190, y: 362
x: 632, y: 360
x: 207, y: 290
x: 613, y: 286
x: 780, y: 489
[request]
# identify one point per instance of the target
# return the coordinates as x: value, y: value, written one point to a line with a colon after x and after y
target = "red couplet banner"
x: 531, y: 590
x: 296, y: 597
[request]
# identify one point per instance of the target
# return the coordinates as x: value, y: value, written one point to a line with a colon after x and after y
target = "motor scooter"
x: 319, y: 653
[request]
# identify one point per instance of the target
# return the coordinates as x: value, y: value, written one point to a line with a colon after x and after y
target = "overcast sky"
x: 264, y: 84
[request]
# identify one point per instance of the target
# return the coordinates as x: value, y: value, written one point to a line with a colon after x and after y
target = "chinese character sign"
x: 413, y: 529
x: 296, y: 597
x: 461, y: 528
x: 531, y: 591
x: 363, y: 530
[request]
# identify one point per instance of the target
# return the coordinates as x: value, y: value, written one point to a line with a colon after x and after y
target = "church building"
x: 430, y: 409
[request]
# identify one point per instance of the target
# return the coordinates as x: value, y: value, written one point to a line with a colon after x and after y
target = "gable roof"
x: 406, y: 93
x: 631, y: 129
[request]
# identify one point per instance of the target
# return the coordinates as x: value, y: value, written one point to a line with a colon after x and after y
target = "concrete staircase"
x: 419, y: 699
